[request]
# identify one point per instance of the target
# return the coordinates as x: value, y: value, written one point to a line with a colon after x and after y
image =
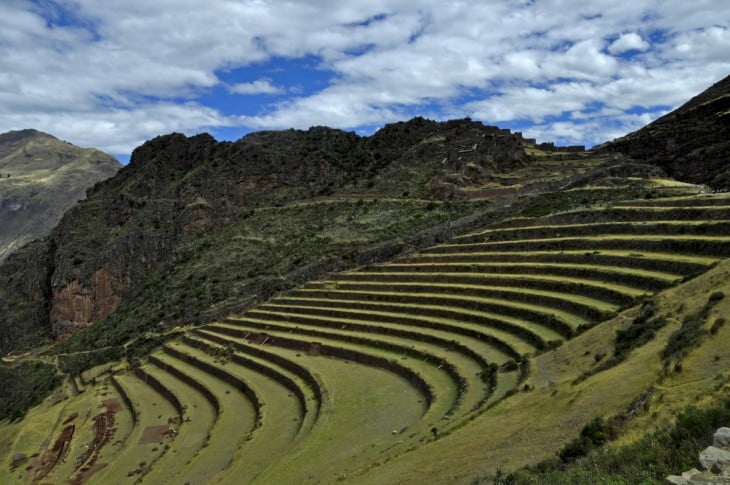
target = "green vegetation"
x: 462, y: 332
x: 667, y: 451
x: 263, y: 255
x: 316, y: 306
x: 691, y: 333
x: 24, y: 386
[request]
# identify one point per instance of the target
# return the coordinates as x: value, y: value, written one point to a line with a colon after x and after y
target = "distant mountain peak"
x: 40, y: 178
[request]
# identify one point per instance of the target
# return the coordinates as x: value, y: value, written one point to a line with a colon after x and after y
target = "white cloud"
x: 260, y: 86
x: 111, y: 74
x: 628, y: 42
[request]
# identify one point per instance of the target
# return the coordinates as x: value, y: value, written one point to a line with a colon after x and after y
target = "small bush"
x: 717, y: 325
x: 688, y: 336
x: 716, y: 296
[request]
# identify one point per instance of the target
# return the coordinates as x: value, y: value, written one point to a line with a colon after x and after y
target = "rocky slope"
x: 691, y: 143
x: 41, y: 177
x: 192, y: 226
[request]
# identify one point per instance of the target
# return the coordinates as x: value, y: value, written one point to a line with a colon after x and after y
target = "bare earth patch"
x: 154, y: 434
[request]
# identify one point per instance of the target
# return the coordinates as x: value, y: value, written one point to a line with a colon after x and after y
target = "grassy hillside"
x: 193, y: 229
x: 427, y: 368
x: 436, y: 303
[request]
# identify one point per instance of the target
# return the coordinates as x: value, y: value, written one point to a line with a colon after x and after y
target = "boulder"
x: 722, y: 438
x: 713, y: 458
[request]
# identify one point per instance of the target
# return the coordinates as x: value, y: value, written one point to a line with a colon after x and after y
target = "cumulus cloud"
x: 113, y: 74
x: 628, y: 42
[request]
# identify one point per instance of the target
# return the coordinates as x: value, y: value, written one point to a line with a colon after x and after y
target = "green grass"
x: 379, y: 320
x: 28, y: 436
x: 431, y: 287
x: 536, y: 329
x: 624, y: 253
x: 505, y: 280
x: 442, y: 382
x: 25, y: 386
x: 194, y: 432
x: 599, y: 226
x: 281, y: 423
x: 667, y: 451
x: 364, y: 406
x: 151, y: 409
x: 569, y: 319
x: 469, y: 365
x: 442, y: 323
x: 597, y: 239
x: 235, y: 420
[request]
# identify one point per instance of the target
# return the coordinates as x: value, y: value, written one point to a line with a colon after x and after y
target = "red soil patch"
x: 154, y: 434
x: 50, y: 458
x: 112, y: 405
x: 103, y: 433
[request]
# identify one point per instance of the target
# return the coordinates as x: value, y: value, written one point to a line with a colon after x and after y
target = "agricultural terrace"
x: 344, y: 374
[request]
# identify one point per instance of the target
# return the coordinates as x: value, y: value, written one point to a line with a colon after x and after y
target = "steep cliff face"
x: 24, y: 297
x: 691, y: 143
x: 40, y: 178
x: 177, y: 233
x: 77, y: 305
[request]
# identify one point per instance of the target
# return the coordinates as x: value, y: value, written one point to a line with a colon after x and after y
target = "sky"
x: 112, y: 74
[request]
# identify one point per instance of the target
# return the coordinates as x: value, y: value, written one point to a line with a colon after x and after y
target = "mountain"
x: 191, y: 227
x: 41, y: 177
x: 691, y: 143
x: 435, y: 303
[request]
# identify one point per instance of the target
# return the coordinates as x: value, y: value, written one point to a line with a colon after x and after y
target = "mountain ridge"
x: 690, y: 143
x: 178, y: 191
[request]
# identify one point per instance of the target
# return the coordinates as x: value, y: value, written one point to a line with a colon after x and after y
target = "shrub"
x: 716, y: 296
x: 717, y: 325
x: 664, y: 452
x: 689, y: 335
x: 25, y: 386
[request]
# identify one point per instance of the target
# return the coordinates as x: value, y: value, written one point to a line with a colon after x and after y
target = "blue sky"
x: 114, y: 74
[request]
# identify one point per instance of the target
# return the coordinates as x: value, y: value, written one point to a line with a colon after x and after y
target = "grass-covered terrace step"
x: 534, y: 334
x: 657, y: 228
x: 604, y: 291
x: 714, y: 246
x: 498, y: 346
x: 623, y: 279
x: 617, y: 214
x: 562, y: 322
x: 453, y: 364
x: 589, y: 308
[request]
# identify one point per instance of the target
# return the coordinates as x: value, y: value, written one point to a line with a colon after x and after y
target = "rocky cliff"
x: 41, y: 177
x: 691, y: 143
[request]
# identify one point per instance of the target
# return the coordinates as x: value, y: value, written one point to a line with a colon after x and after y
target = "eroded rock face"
x: 76, y: 305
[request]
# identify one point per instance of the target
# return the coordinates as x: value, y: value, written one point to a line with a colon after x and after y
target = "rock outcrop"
x: 715, y: 461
